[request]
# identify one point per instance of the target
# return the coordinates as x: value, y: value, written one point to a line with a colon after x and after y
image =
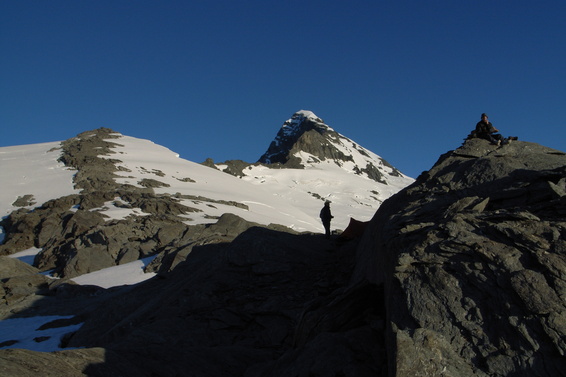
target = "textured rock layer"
x: 472, y: 256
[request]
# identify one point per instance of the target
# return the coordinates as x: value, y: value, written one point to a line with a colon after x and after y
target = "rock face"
x: 305, y: 139
x: 473, y: 258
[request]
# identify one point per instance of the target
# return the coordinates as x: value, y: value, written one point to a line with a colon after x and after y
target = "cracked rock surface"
x: 473, y: 260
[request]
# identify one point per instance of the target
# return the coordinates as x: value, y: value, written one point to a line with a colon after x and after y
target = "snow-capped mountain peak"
x: 308, y: 158
x: 292, y: 125
x: 290, y: 133
x: 306, y: 141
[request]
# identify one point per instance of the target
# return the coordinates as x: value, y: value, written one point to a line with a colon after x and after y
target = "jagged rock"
x: 20, y: 226
x: 19, y: 287
x: 24, y: 201
x: 156, y: 204
x: 152, y: 183
x: 202, y: 198
x: 305, y: 136
x: 228, y: 227
x: 472, y: 256
x: 233, y: 167
x: 299, y: 130
x: 81, y: 152
x: 169, y: 233
x: 88, y: 259
x: 209, y: 162
x: 82, y: 221
x: 19, y: 280
x: 11, y: 267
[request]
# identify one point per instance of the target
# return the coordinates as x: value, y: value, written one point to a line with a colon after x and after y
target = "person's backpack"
x: 472, y: 135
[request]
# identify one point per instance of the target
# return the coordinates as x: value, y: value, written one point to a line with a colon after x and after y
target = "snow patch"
x: 33, y: 170
x: 125, y: 274
x: 25, y: 333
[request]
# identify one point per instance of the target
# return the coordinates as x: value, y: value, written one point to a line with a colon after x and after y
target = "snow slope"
x: 144, y: 159
x: 33, y: 169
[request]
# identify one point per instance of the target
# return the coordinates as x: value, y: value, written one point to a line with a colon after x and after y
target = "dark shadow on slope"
x: 267, y: 304
x: 235, y: 309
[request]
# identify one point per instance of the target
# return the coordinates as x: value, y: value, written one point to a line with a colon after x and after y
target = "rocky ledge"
x: 473, y: 258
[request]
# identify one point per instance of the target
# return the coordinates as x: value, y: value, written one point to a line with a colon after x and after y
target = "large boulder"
x: 12, y: 267
x: 19, y: 280
x: 472, y: 257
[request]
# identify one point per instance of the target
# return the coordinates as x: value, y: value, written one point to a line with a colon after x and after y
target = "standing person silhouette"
x: 326, y: 216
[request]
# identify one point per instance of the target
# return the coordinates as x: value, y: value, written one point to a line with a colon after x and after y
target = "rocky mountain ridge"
x: 305, y: 141
x: 461, y: 273
x: 75, y: 235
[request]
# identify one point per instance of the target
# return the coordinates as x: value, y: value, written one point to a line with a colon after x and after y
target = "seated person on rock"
x: 486, y: 130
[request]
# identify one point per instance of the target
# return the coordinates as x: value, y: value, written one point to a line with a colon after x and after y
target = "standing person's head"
x: 327, y: 203
x: 484, y: 117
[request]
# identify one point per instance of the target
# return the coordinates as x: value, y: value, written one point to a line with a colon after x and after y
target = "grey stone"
x: 11, y: 267
x: 474, y: 242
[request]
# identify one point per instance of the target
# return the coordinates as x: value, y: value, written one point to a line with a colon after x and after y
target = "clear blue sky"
x: 406, y: 79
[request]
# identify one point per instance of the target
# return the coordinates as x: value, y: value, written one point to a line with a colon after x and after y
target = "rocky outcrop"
x: 472, y: 257
x: 76, y: 238
x: 247, y: 308
x: 228, y: 227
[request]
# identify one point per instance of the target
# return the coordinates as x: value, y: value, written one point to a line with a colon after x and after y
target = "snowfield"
x: 144, y: 159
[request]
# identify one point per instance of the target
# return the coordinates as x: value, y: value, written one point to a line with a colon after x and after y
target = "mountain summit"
x: 305, y: 140
x: 290, y: 138
x: 308, y: 158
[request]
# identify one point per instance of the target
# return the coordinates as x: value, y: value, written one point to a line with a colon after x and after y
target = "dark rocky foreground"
x: 473, y: 260
x: 460, y: 274
x: 267, y: 304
